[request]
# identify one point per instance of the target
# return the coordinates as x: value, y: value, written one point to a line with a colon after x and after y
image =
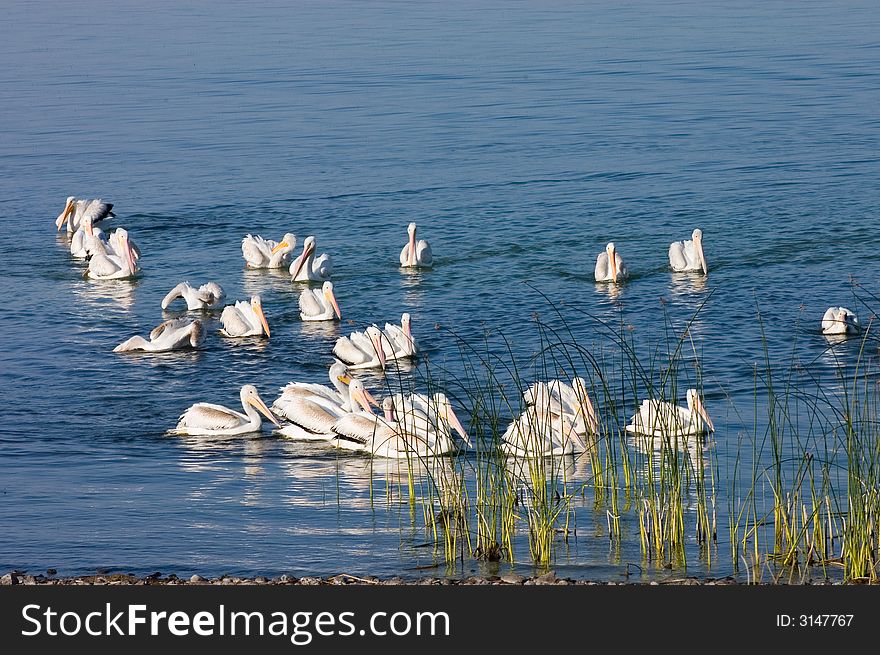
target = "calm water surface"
x: 522, y: 137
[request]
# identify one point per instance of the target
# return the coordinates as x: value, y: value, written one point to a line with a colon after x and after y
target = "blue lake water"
x: 521, y: 137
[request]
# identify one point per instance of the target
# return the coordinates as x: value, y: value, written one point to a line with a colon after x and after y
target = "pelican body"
x: 687, y: 256
x: 416, y: 254
x: 88, y: 240
x: 361, y: 349
x: 307, y: 268
x: 610, y: 266
x: 76, y: 209
x: 265, y: 253
x: 207, y: 296
x: 244, y: 319
x: 319, y: 304
x: 207, y: 419
x: 663, y: 419
x: 312, y: 416
x: 398, y: 339
x: 839, y: 320
x: 174, y: 334
x: 338, y: 395
x: 558, y: 419
x: 412, y: 426
x: 116, y: 261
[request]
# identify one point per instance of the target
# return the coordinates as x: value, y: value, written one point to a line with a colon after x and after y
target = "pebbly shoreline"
x: 549, y: 578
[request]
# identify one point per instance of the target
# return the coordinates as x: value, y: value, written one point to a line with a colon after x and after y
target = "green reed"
x: 802, y: 487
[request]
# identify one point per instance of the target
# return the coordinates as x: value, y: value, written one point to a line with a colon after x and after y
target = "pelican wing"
x: 404, y: 255
x: 180, y: 291
x: 157, y: 331
x: 311, y: 302
x: 306, y: 389
x: 829, y: 320
x: 424, y: 255
x: 177, y: 333
x: 362, y: 431
x: 312, y: 416
x: 196, y: 333
x: 104, y: 266
x: 234, y: 321
x: 211, y: 293
x: 677, y: 258
x: 97, y: 210
x: 322, y: 268
x: 77, y: 244
x: 603, y: 271
x: 346, y: 350
x: 208, y: 416
x: 256, y: 250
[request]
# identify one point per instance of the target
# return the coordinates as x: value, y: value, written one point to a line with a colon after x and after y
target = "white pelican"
x: 610, y: 266
x: 338, y: 395
x: 265, y: 253
x: 244, y: 319
x: 114, y: 244
x: 207, y: 296
x: 663, y: 419
x: 558, y: 420
x: 688, y: 255
x: 839, y: 320
x: 312, y: 417
x: 118, y: 260
x: 174, y: 334
x: 431, y: 417
x: 399, y: 339
x: 361, y: 349
x: 306, y: 267
x: 319, y: 305
x: 85, y: 241
x: 412, y: 426
x: 216, y: 420
x: 75, y: 209
x: 416, y: 254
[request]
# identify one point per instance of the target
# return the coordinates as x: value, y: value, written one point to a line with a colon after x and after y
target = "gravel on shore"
x: 549, y: 578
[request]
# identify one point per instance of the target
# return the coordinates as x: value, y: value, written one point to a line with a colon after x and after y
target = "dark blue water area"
x: 521, y: 137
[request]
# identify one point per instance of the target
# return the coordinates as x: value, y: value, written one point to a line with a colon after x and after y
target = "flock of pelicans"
x: 559, y: 417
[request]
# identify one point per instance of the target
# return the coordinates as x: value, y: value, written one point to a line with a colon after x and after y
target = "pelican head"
x: 848, y: 319
x: 257, y: 306
x: 696, y: 407
x: 249, y: 396
x: 287, y: 243
x: 376, y: 336
x: 339, y: 371
x: 197, y: 333
x: 405, y: 324
x: 299, y: 262
x: 68, y: 208
x: 121, y: 235
x: 612, y: 260
x: 360, y: 394
x: 411, y: 229
x: 327, y: 290
x: 388, y: 408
